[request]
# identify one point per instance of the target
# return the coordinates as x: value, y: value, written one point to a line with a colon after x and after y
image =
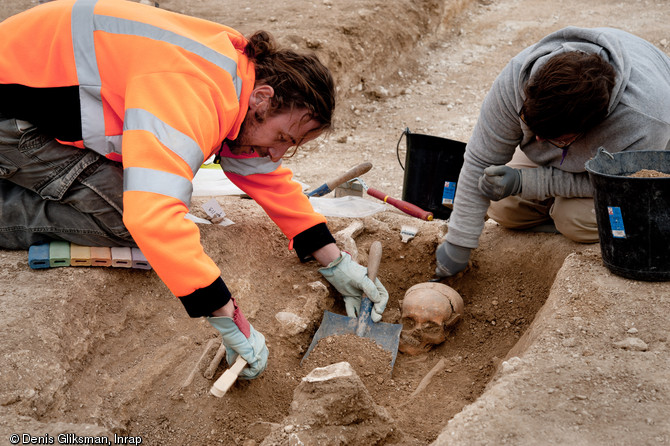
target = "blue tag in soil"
x: 449, y: 192
x: 616, y: 222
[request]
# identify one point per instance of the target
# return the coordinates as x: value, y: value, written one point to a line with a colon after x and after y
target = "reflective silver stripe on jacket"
x: 249, y: 166
x: 141, y: 179
x: 88, y: 75
x: 182, y: 145
x: 84, y: 23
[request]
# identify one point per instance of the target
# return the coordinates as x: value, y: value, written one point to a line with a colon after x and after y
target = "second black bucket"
x: 432, y: 166
x: 633, y: 213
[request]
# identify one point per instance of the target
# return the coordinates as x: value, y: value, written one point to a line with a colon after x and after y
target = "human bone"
x: 346, y: 238
x: 428, y: 310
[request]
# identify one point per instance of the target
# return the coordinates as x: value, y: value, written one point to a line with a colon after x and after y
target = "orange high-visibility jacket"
x: 160, y: 92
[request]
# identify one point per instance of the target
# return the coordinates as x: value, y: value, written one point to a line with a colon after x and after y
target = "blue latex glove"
x: 240, y: 337
x: 351, y: 280
x: 451, y: 259
x: 499, y: 182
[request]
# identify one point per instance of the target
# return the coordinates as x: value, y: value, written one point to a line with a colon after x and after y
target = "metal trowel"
x: 385, y: 335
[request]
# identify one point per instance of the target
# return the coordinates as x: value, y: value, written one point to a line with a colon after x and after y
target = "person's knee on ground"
x: 575, y: 218
x: 27, y: 219
x: 514, y: 212
x: 51, y: 191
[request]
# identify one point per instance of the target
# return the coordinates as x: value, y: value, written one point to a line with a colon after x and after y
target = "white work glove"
x: 351, y: 280
x: 451, y: 259
x: 240, y: 337
x: 499, y: 182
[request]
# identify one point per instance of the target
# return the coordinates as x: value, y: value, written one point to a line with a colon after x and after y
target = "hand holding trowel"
x: 386, y: 335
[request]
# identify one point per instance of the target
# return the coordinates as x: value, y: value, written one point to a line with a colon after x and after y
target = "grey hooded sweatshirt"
x: 638, y: 119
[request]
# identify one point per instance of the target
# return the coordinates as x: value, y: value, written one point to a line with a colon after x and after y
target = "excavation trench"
x: 100, y: 351
x: 118, y: 352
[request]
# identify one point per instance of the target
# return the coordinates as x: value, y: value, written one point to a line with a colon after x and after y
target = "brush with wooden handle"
x: 228, y: 378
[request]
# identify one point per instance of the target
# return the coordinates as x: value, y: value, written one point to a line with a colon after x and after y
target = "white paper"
x: 214, y: 210
x: 195, y: 219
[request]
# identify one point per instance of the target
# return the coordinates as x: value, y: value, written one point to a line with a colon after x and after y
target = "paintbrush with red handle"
x: 407, y: 208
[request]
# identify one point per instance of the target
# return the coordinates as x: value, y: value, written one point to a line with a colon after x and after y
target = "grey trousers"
x: 50, y: 191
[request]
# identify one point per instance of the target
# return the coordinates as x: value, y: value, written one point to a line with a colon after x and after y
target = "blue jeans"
x: 50, y: 191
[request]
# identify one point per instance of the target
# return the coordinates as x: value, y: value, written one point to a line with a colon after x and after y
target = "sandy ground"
x: 95, y: 351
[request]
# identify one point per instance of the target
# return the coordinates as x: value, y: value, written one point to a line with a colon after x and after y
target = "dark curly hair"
x: 299, y: 80
x: 569, y: 94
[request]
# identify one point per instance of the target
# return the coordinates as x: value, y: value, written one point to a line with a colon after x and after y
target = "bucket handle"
x: 397, y: 147
x: 601, y: 150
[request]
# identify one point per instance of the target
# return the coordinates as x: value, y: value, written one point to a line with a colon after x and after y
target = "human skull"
x: 428, y: 309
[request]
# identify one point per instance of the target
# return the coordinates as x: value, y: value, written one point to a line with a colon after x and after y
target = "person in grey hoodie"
x: 547, y: 113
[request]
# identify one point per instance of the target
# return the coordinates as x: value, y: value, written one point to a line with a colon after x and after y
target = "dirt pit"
x: 110, y: 349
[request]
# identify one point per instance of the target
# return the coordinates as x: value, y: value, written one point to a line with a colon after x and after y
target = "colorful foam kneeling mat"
x: 59, y: 253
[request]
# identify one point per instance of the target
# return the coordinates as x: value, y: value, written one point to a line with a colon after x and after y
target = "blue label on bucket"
x: 449, y: 192
x: 616, y: 222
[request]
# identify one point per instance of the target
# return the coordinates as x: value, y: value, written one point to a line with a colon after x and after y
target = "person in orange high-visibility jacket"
x: 107, y: 110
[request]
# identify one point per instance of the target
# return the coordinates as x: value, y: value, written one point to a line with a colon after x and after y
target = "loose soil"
x: 370, y: 361
x: 101, y: 351
x: 647, y: 173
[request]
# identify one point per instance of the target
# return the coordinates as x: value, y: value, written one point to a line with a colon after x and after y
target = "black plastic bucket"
x: 432, y: 166
x: 633, y: 213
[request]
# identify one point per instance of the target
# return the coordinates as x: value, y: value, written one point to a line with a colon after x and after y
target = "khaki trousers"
x: 575, y: 218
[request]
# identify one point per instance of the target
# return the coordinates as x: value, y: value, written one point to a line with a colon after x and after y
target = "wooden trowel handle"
x: 350, y: 174
x: 364, y: 320
x: 330, y: 185
x: 374, y: 259
x: 228, y: 378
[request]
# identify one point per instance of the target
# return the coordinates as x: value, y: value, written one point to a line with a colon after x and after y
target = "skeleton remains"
x: 428, y: 310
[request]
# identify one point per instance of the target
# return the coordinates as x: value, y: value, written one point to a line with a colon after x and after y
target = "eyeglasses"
x: 564, y: 143
x: 560, y: 143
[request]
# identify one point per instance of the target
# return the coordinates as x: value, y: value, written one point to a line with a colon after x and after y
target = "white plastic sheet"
x: 348, y: 206
x: 210, y: 182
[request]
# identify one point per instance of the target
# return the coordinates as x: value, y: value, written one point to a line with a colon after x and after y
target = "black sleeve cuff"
x: 204, y: 301
x: 311, y: 240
